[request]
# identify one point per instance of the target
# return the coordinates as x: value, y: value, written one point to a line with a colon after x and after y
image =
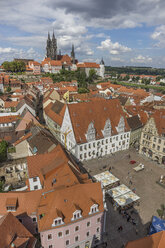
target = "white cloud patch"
x: 7, y: 50
x: 9, y: 54
x: 159, y: 35
x: 117, y: 59
x: 113, y: 48
x: 142, y: 59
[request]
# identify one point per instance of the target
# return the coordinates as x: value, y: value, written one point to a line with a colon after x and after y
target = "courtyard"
x: 143, y: 182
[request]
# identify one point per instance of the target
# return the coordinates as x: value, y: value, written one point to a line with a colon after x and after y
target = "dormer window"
x: 121, y: 125
x: 107, y: 129
x: 58, y: 222
x: 11, y: 204
x: 91, y: 132
x: 94, y: 209
x: 77, y: 215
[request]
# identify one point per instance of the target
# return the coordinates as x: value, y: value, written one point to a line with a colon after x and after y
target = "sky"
x: 123, y: 32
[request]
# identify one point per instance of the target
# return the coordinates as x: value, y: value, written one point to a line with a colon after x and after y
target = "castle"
x: 51, y: 49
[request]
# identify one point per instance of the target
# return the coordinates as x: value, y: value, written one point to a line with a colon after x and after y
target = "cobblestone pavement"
x: 151, y: 194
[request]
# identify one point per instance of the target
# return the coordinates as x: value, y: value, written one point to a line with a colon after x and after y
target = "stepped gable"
x: 97, y: 112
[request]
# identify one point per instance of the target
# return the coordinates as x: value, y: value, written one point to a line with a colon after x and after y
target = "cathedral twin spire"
x: 51, y: 48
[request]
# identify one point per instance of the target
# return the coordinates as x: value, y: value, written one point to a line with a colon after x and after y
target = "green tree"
x: 161, y: 211
x: 83, y: 90
x: 92, y: 76
x: 8, y: 89
x: 3, y: 150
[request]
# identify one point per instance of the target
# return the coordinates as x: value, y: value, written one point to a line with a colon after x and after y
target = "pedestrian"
x: 136, y: 230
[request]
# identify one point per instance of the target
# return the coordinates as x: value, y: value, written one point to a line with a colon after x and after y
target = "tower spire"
x: 73, y: 54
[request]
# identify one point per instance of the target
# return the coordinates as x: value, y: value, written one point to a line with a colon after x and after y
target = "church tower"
x: 73, y: 54
x: 102, y: 68
x: 54, y: 48
x: 48, y: 47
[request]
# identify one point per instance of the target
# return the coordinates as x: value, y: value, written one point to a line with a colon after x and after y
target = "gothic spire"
x: 73, y: 54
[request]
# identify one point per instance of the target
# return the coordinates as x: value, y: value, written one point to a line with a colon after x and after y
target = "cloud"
x: 7, y: 50
x: 9, y: 54
x: 26, y: 23
x: 113, y: 48
x: 141, y: 59
x: 159, y: 35
x: 117, y: 59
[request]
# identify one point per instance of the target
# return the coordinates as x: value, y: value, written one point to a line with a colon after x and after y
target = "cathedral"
x: 51, y: 50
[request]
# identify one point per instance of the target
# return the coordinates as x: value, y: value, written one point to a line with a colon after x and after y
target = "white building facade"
x: 94, y: 146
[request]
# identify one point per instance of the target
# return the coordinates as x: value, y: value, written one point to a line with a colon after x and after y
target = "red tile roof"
x: 156, y: 240
x: 65, y: 201
x: 9, y: 119
x: 88, y: 65
x: 13, y: 232
x: 159, y: 117
x: 97, y: 112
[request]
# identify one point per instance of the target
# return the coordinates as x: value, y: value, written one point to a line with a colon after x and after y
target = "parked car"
x: 132, y: 162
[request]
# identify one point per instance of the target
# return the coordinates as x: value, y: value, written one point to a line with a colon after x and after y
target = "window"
x: 153, y: 146
x: 35, y: 187
x: 98, y: 230
x: 80, y: 156
x: 158, y: 148
x: 76, y: 228
x: 76, y: 238
x: 60, y: 234
x: 102, y: 142
x: 81, y: 148
x: 163, y: 149
x: 98, y: 220
x: 116, y: 138
x: 50, y: 246
x: 67, y: 242
x: 93, y: 144
x: 87, y: 234
x: 49, y: 236
x: 35, y: 179
x: 106, y: 141
x: 85, y: 155
x: 159, y: 141
x: 154, y: 139
x: 88, y: 223
x: 89, y: 145
x: 67, y: 232
x: 34, y: 219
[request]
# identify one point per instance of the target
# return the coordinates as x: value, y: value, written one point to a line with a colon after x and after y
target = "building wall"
x: 96, y: 148
x: 151, y: 144
x: 14, y: 172
x: 135, y: 136
x: 22, y: 151
x: 35, y: 183
x: 19, y: 112
x: 60, y: 242
x: 102, y: 147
